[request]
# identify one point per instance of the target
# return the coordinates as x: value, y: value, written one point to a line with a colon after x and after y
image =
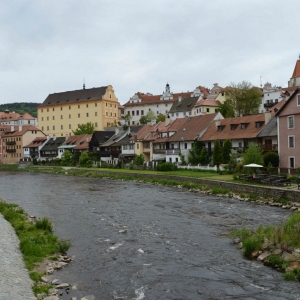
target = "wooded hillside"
x: 21, y: 107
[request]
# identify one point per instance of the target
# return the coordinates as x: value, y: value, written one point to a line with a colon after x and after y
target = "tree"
x: 149, y: 117
x: 217, y: 153
x: 271, y: 157
x: 87, y: 128
x: 194, y: 155
x: 67, y: 158
x: 84, y: 160
x: 139, y: 160
x: 243, y: 97
x: 127, y: 118
x: 143, y: 120
x: 227, y: 151
x: 253, y: 154
x: 226, y: 110
x: 160, y: 118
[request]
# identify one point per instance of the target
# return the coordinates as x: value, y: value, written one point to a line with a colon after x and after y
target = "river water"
x: 141, y: 241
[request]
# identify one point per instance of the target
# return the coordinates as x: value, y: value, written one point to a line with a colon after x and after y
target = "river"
x: 133, y: 240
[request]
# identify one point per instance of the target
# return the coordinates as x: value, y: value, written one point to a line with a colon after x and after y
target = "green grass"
x: 37, y: 241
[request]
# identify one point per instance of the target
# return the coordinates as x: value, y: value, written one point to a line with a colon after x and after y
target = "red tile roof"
x: 208, y: 102
x: 250, y: 131
x: 12, y: 116
x: 16, y: 131
x: 84, y: 143
x: 38, y: 141
x: 296, y: 72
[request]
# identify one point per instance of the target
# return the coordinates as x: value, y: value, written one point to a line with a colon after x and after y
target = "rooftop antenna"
x: 83, y: 83
x: 260, y: 82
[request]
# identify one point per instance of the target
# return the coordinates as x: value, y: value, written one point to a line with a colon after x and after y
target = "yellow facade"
x: 60, y: 119
x: 221, y: 97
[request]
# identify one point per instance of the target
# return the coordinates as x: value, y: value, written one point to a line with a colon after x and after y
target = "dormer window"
x: 233, y: 126
x: 258, y: 124
x: 221, y: 127
x: 244, y: 125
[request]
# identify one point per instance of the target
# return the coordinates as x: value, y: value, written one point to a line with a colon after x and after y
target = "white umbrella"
x: 254, y: 166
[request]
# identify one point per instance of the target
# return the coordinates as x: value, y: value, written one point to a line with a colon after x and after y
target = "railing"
x: 49, y: 155
x: 269, y: 147
x: 269, y: 105
x: 173, y: 151
x: 159, y: 151
x: 10, y: 150
x: 10, y: 142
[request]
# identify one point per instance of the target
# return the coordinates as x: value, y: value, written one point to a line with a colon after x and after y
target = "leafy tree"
x: 227, y: 151
x: 226, y: 110
x: 243, y: 97
x: 143, y: 120
x: 84, y: 160
x: 139, y: 160
x: 87, y: 128
x: 149, y: 117
x: 67, y: 158
x: 182, y: 158
x: 253, y: 154
x: 160, y: 118
x: 217, y: 153
x: 232, y: 164
x: 21, y: 108
x: 127, y: 118
x: 271, y: 157
x: 194, y: 155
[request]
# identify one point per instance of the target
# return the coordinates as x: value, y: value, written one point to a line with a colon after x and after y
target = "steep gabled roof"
x: 296, y: 72
x: 75, y: 96
x: 102, y: 136
x: 23, y: 130
x: 38, y: 141
x: 53, y: 143
x: 270, y: 129
x: 297, y: 90
x: 192, y: 128
x: 83, y: 143
x: 208, y: 102
x: 185, y: 105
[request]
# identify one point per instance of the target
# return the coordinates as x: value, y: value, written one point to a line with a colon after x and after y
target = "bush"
x: 167, y: 166
x: 271, y: 157
x: 250, y: 244
x: 274, y: 260
x: 139, y: 160
x: 44, y: 224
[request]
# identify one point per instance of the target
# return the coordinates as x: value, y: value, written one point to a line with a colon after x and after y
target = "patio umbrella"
x: 254, y: 166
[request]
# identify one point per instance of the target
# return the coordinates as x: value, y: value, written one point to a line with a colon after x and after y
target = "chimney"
x: 20, y: 128
x: 12, y: 128
x: 267, y: 117
x: 218, y: 123
x: 167, y: 120
x: 179, y: 99
x: 54, y: 137
x: 116, y: 130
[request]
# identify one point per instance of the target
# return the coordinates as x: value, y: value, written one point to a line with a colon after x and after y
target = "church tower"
x: 295, y: 79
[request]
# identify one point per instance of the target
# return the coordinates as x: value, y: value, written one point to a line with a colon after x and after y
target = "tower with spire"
x: 295, y: 79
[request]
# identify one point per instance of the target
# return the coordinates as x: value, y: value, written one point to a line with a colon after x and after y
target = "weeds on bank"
x: 287, y: 234
x: 36, y: 240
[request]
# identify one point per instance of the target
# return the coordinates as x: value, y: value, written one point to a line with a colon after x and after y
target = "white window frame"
x: 289, y: 158
x: 288, y: 122
x: 289, y: 146
x: 298, y: 100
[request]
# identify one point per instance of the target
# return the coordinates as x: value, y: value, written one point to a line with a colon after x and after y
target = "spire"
x: 83, y: 83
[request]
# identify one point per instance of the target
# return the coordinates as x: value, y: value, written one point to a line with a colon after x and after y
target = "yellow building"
x: 61, y: 113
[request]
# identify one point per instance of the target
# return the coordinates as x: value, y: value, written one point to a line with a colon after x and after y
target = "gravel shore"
x: 15, y: 282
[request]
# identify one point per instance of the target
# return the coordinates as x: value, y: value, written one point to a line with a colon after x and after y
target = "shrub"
x: 271, y: 157
x: 139, y: 160
x: 289, y: 276
x: 250, y: 244
x: 44, y: 224
x: 166, y: 166
x: 275, y: 260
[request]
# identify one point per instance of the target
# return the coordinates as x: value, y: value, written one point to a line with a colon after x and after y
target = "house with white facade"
x: 16, y: 119
x: 182, y: 107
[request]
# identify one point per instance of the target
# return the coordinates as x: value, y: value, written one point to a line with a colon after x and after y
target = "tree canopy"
x: 242, y: 99
x: 149, y: 117
x: 217, y: 153
x: 87, y: 128
x: 21, y: 108
x: 160, y: 118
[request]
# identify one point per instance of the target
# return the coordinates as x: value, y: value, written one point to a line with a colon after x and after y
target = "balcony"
x: 269, y: 147
x: 10, y: 142
x: 159, y: 151
x: 269, y: 104
x: 174, y: 151
x: 146, y: 150
x: 10, y: 150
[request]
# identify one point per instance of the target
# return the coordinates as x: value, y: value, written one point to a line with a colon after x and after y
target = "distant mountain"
x: 21, y: 107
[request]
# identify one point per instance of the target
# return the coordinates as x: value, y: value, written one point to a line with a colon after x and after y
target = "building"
x: 15, y: 139
x: 16, y: 119
x: 50, y: 149
x: 295, y: 79
x: 182, y: 107
x: 3, y: 128
x: 32, y: 150
x: 288, y: 120
x: 139, y: 104
x: 61, y: 113
x: 208, y: 106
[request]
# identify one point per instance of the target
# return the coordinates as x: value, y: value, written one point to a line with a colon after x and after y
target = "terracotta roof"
x: 148, y: 99
x: 38, y: 141
x: 16, y: 131
x: 192, y: 127
x: 296, y: 72
x: 287, y: 101
x: 289, y: 89
x: 208, y: 102
x: 251, y: 131
x: 83, y: 95
x: 84, y: 142
x: 12, y: 116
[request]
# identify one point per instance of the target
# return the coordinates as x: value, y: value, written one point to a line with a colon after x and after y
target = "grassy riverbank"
x: 277, y: 246
x: 37, y: 241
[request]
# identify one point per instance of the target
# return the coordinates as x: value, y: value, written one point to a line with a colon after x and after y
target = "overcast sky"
x: 139, y: 45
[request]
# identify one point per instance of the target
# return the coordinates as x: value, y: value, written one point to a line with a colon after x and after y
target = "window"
x: 42, y: 110
x: 69, y: 116
x: 96, y: 124
x: 53, y: 118
x: 244, y: 125
x: 207, y: 109
x: 105, y: 104
x: 61, y: 116
x: 87, y: 105
x: 157, y: 112
x: 53, y: 109
x: 61, y: 108
x: 142, y: 112
x: 47, y: 118
x: 157, y: 105
x: 170, y: 159
x: 61, y: 126
x: 87, y: 114
x: 53, y: 127
x: 107, y: 114
x: 47, y: 128
x: 292, y: 162
x: 47, y: 109
x: 258, y: 124
x: 298, y: 100
x: 70, y: 127
x: 233, y: 126
x: 78, y: 106
x: 185, y: 145
x: 95, y: 104
x: 42, y: 128
x: 78, y: 115
x: 96, y: 114
x: 132, y: 112
x: 290, y: 122
x: 69, y: 107
x: 115, y: 106
x: 110, y: 105
x: 137, y: 112
x: 137, y: 146
x: 176, y: 114
x: 111, y: 114
x: 291, y: 141
x: 42, y: 118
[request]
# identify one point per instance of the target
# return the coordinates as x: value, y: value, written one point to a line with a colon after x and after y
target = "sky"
x: 52, y: 46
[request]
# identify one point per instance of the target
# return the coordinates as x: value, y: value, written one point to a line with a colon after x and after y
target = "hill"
x: 21, y: 107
